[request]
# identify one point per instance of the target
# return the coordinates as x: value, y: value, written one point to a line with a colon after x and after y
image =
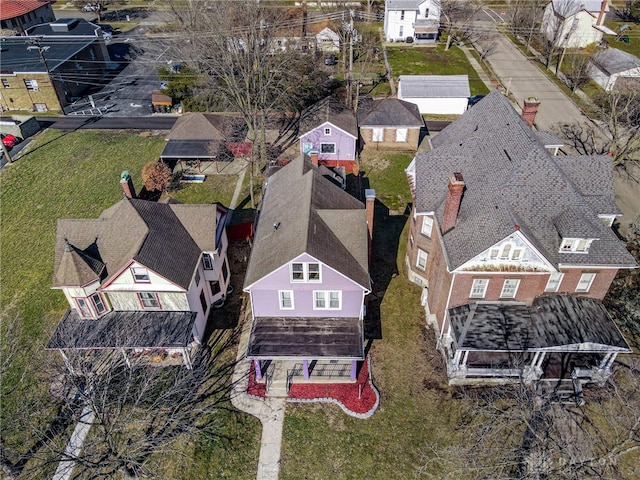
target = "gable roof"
x: 434, y: 86
x: 512, y: 182
x: 314, y: 216
x: 16, y: 8
x: 567, y: 8
x: 403, y: 4
x: 614, y: 61
x: 166, y: 238
x: 328, y: 110
x: 390, y: 112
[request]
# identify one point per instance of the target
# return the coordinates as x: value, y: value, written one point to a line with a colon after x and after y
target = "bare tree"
x: 484, y: 40
x: 458, y: 16
x: 517, y: 432
x: 577, y: 72
x: 525, y: 18
x: 618, y: 116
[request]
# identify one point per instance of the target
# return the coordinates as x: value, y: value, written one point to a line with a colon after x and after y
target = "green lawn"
x: 416, y: 410
x: 633, y: 46
x: 434, y: 61
x: 76, y: 175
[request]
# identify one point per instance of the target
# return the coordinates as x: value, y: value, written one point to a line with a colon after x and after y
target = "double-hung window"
x: 98, y: 303
x: 509, y: 288
x: 286, y: 299
x: 421, y: 260
x: 377, y: 135
x: 427, y: 226
x: 553, y: 284
x: 479, y: 288
x: 584, y: 284
x: 149, y: 300
x: 327, y: 300
x: 305, y: 272
x: 207, y: 263
x: 83, y: 307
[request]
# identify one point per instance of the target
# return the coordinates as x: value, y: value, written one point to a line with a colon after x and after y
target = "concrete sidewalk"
x: 269, y: 411
x: 477, y: 67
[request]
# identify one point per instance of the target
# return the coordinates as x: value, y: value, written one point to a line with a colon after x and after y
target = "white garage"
x: 436, y: 94
x: 612, y: 67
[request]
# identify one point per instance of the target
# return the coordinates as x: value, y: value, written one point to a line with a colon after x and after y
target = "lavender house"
x: 308, y: 276
x: 332, y: 131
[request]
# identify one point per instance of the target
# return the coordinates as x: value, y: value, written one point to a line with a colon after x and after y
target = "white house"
x: 436, y: 94
x: 417, y: 19
x: 575, y: 23
x: 613, y: 68
x: 141, y: 280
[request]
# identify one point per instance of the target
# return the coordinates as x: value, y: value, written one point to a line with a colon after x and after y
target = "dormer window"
x: 140, y: 275
x: 575, y: 245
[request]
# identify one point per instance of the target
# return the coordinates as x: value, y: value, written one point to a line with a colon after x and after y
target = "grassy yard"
x: 416, y: 410
x: 76, y: 175
x: 434, y: 61
x: 633, y: 46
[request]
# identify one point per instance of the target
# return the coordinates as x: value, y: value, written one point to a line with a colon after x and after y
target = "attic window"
x: 140, y: 275
x: 575, y: 245
x: 327, y: 131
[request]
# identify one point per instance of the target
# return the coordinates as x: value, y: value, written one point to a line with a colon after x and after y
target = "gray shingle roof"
x: 328, y: 110
x: 314, y: 216
x: 512, y: 180
x: 390, y: 112
x: 149, y: 233
x: 201, y: 126
x: 549, y: 139
x: 554, y: 323
x: 613, y: 61
x: 434, y: 86
x: 403, y: 4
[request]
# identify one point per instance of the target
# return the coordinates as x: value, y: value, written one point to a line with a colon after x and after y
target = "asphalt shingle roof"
x: 391, y: 112
x: 314, y: 216
x: 434, y: 86
x: 613, y: 61
x: 166, y: 238
x: 512, y: 182
x: 328, y: 110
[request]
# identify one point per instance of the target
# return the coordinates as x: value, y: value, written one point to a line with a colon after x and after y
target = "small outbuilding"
x: 615, y: 69
x: 391, y: 123
x: 436, y: 94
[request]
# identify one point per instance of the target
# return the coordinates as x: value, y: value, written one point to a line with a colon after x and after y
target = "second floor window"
x: 324, y: 300
x: 207, y: 263
x: 401, y: 15
x: 584, y: 284
x: 149, y: 300
x: 98, y: 303
x: 305, y: 272
x: 553, y: 284
x: 427, y: 226
x: 83, y: 307
x: 421, y: 260
x: 32, y: 85
x: 509, y: 288
x: 479, y: 288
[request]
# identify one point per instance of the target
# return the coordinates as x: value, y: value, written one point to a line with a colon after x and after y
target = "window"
x: 83, y: 307
x: 324, y: 300
x: 197, y: 278
x: 516, y: 254
x: 401, y: 18
x: 305, y: 272
x: 327, y: 148
x: 506, y: 250
x: 327, y: 131
x: 215, y: 287
x: 140, y: 275
x: 5, y: 83
x: 32, y: 85
x: 426, y: 13
x: 377, y: 135
x: 427, y: 226
x: 98, y: 302
x: 494, y: 253
x: 479, y: 288
x: 421, y: 260
x: 401, y: 28
x: 553, y: 284
x: 401, y: 135
x: 286, y: 299
x: 586, y: 279
x: 580, y: 245
x: 149, y: 300
x: 225, y: 270
x: 203, y: 301
x: 207, y: 263
x: 509, y: 288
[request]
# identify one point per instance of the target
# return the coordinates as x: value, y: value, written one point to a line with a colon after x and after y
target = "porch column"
x: 354, y: 369
x: 541, y: 359
x: 605, y: 361
x: 66, y: 360
x: 305, y: 369
x: 611, y: 360
x: 186, y: 358
x: 126, y: 359
x: 256, y: 365
x: 465, y: 358
x: 456, y: 359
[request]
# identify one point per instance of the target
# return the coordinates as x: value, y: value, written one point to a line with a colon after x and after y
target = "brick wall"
x: 599, y: 287
x: 389, y: 139
x: 17, y: 97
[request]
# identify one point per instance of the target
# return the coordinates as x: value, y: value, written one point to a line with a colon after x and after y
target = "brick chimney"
x: 603, y: 8
x: 370, y: 196
x: 452, y: 203
x: 313, y: 155
x: 127, y: 185
x: 530, y: 110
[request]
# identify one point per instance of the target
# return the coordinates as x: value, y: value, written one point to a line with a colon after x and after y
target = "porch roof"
x: 132, y: 329
x: 185, y: 149
x: 560, y: 323
x: 306, y: 337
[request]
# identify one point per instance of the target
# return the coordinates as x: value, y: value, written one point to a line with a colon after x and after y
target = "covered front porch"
x: 559, y: 337
x: 157, y: 338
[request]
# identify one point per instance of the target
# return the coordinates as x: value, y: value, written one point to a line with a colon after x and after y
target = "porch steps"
x: 564, y: 391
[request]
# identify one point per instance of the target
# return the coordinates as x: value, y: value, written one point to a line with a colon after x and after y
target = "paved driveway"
x: 524, y: 80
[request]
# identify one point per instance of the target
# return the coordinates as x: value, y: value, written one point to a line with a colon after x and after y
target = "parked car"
x: 10, y: 140
x: 409, y: 40
x: 475, y: 99
x: 330, y: 59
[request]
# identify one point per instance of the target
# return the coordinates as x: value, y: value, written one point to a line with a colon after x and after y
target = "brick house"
x: 514, y: 249
x: 20, y: 15
x: 390, y: 123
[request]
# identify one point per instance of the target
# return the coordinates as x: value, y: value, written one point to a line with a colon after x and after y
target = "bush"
x: 156, y: 176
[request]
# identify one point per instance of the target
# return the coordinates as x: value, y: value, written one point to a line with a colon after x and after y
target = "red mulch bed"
x: 254, y: 388
x: 344, y: 393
